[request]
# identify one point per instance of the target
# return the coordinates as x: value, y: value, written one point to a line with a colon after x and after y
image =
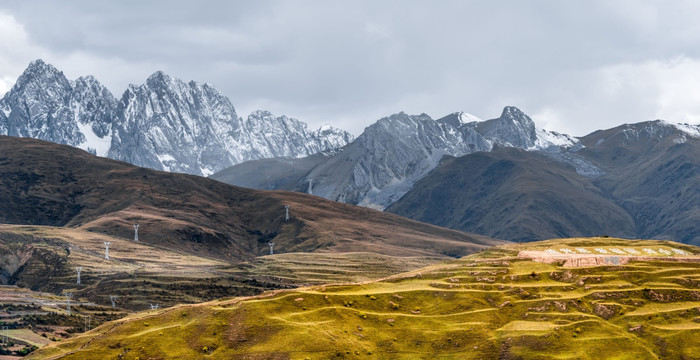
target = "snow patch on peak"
x: 547, y: 139
x: 465, y: 118
x: 100, y: 145
x: 692, y: 130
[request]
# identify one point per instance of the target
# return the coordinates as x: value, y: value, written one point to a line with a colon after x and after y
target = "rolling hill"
x: 501, y: 303
x: 199, y: 239
x: 47, y: 184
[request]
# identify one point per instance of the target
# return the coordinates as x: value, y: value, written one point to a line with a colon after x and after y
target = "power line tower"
x: 78, y: 269
x: 286, y: 213
x: 69, y: 295
x: 113, y: 299
x: 107, y: 249
x: 136, y: 232
x: 88, y: 322
x: 154, y: 307
x: 5, y: 338
x: 271, y: 244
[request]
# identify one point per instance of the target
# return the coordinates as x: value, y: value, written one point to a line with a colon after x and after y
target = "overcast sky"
x: 573, y: 66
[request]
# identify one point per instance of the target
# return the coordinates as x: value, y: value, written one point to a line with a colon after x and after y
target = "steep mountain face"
x: 647, y: 186
x: 164, y: 124
x: 281, y: 173
x: 513, y: 194
x: 170, y: 125
x: 395, y: 152
x: 44, y: 104
x: 385, y: 161
x: 653, y: 172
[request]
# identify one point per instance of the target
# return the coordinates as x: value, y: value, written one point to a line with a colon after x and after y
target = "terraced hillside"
x: 140, y: 275
x: 45, y: 258
x: 491, y: 305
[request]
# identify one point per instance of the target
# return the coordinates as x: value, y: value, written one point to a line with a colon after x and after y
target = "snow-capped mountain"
x: 43, y: 104
x: 384, y: 163
x: 164, y: 124
x: 390, y: 156
x: 645, y: 186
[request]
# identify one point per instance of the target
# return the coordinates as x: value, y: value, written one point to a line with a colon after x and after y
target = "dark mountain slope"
x: 647, y: 186
x: 43, y: 183
x: 270, y: 174
x: 653, y: 171
x: 513, y: 194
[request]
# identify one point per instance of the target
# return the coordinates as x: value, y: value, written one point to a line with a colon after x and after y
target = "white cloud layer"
x: 574, y: 66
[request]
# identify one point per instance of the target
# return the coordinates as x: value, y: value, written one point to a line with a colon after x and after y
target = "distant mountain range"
x: 507, y: 178
x: 164, y: 124
x: 383, y: 163
x: 503, y: 177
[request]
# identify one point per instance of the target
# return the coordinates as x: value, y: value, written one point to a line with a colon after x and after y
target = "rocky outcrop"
x: 12, y: 261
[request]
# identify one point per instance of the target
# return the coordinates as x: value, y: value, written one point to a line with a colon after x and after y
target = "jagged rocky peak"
x: 44, y: 104
x: 93, y: 104
x: 397, y: 122
x: 332, y: 137
x: 171, y: 125
x: 40, y: 82
x: 164, y: 123
x: 259, y: 117
x: 40, y: 69
x: 513, y: 128
x: 289, y: 137
x: 262, y: 118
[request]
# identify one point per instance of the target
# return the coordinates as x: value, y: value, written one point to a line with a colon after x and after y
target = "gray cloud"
x: 574, y: 66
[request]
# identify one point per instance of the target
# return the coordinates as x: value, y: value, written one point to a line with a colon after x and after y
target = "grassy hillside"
x: 44, y: 258
x: 140, y: 275
x: 49, y: 184
x: 490, y: 305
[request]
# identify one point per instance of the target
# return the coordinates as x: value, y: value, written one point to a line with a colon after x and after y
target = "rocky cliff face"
x: 164, y: 124
x: 44, y: 104
x: 391, y: 155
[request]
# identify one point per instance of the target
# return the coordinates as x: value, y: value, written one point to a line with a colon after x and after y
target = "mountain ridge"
x: 49, y: 184
x: 386, y: 160
x: 645, y: 175
x: 164, y: 124
x: 646, y: 187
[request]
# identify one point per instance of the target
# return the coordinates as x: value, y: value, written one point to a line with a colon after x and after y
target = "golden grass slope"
x: 490, y: 305
x: 140, y: 274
